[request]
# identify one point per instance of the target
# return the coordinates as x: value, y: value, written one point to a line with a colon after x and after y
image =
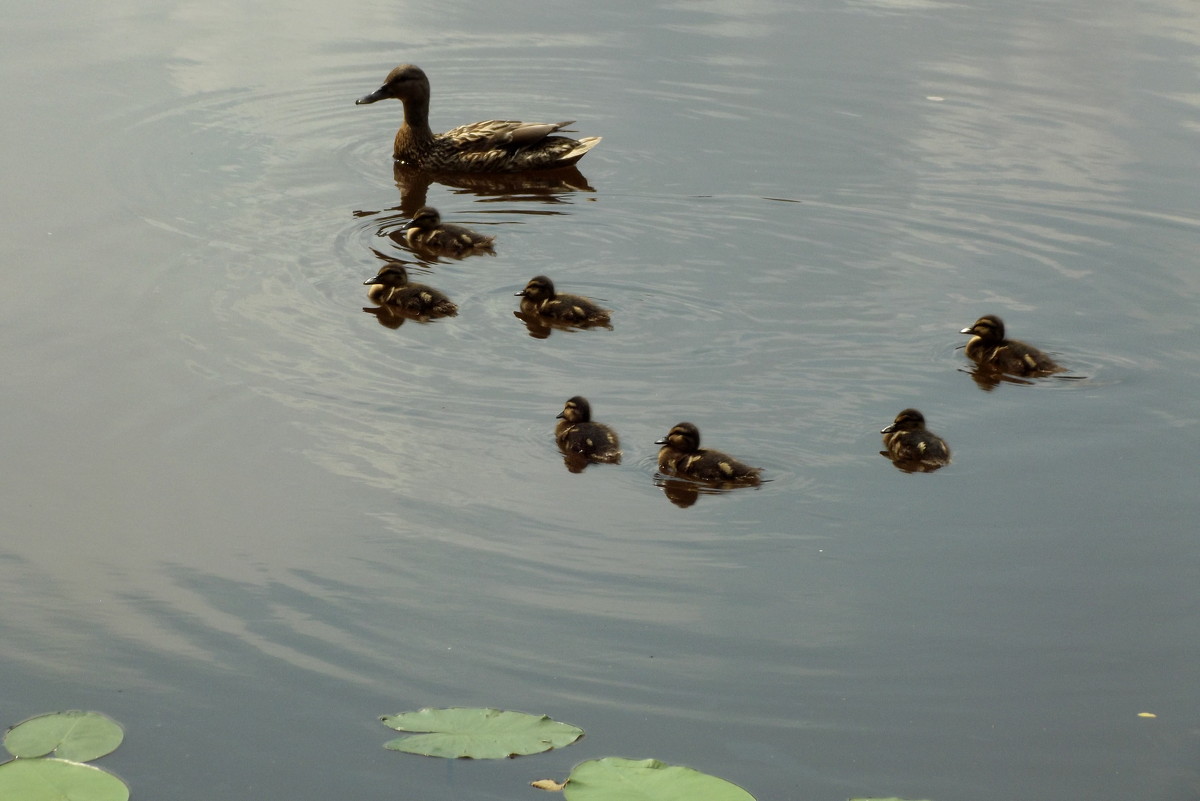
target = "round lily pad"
x: 59, y: 780
x: 463, y: 733
x: 73, y: 735
x: 617, y: 779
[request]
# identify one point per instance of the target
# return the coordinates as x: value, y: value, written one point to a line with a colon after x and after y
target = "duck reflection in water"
x: 546, y: 187
x: 912, y: 447
x: 681, y: 492
x: 583, y: 441
x: 399, y: 299
x: 685, y: 492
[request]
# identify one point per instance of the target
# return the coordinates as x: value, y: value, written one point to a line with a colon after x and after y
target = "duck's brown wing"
x: 500, y: 133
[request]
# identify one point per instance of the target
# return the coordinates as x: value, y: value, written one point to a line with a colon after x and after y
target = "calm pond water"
x: 246, y: 518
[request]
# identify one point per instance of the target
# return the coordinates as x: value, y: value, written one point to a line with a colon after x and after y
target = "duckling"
x: 682, y: 455
x: 907, y: 440
x: 490, y: 146
x: 391, y: 286
x: 426, y: 231
x: 988, y: 348
x: 577, y: 434
x: 539, y: 298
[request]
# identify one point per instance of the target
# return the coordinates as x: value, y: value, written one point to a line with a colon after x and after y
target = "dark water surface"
x: 245, y: 518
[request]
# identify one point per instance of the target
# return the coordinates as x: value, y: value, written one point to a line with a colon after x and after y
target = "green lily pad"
x: 59, y: 780
x: 73, y: 735
x: 616, y: 779
x: 461, y: 733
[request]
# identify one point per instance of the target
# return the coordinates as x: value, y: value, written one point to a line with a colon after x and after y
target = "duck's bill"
x: 371, y: 98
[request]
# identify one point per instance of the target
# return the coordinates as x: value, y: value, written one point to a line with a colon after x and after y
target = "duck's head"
x: 683, y: 437
x: 539, y: 288
x: 907, y: 420
x: 988, y: 328
x: 391, y: 275
x: 577, y: 410
x: 426, y: 218
x: 406, y: 82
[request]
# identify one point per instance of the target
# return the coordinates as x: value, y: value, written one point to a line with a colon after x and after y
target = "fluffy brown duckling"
x: 426, y: 231
x: 490, y: 146
x: 577, y: 434
x: 907, y: 440
x: 989, y: 349
x: 391, y: 287
x: 539, y: 298
x: 681, y: 455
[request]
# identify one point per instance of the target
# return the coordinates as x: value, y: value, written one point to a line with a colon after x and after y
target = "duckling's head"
x: 391, y: 275
x: 683, y: 437
x: 577, y: 410
x: 427, y: 218
x: 539, y: 288
x: 907, y: 420
x: 406, y: 82
x: 988, y: 328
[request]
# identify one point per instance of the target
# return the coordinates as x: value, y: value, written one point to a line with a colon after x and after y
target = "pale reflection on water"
x: 237, y: 498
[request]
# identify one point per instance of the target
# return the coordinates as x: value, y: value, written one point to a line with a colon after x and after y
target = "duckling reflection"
x: 681, y: 455
x: 912, y: 447
x: 490, y: 146
x: 580, y: 438
x: 392, y: 288
x: 536, y: 326
x: 539, y: 299
x: 681, y: 492
x: 992, y: 352
x: 427, y: 232
x: 391, y: 316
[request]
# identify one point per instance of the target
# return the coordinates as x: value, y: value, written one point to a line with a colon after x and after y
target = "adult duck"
x: 489, y: 146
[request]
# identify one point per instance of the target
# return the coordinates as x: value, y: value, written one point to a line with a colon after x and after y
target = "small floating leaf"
x: 478, y: 733
x: 74, y: 735
x: 616, y: 779
x: 547, y: 784
x: 59, y: 780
